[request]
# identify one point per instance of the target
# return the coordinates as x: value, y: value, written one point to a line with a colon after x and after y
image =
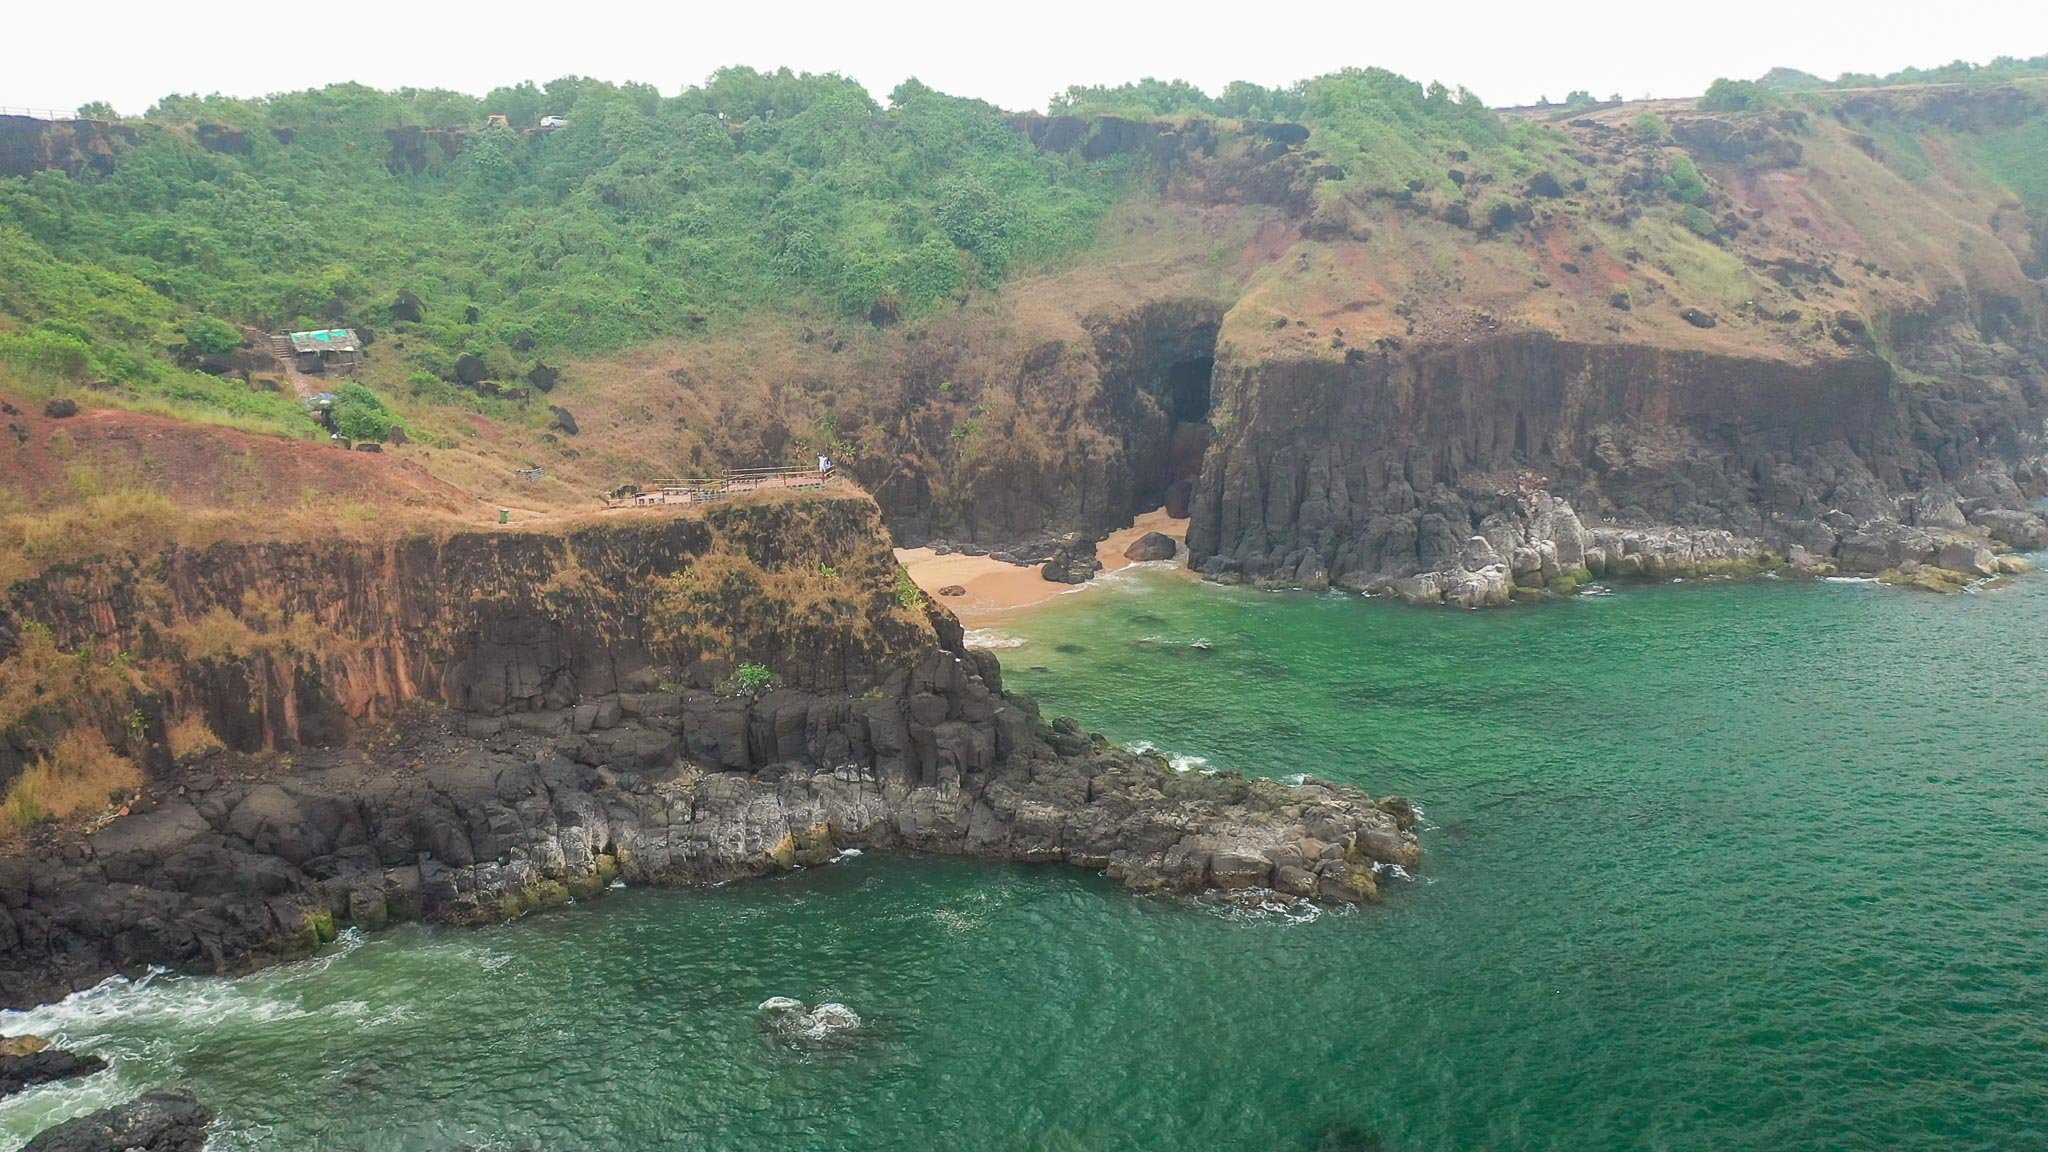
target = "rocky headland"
x: 463, y: 728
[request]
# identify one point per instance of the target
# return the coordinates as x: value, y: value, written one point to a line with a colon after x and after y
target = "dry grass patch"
x: 261, y: 628
x: 82, y: 775
x: 191, y: 738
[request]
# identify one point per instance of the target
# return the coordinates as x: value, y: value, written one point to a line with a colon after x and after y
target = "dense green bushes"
x: 360, y: 415
x: 642, y: 217
x: 1726, y: 95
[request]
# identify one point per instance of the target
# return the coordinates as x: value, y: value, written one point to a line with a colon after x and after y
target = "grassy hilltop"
x: 773, y: 264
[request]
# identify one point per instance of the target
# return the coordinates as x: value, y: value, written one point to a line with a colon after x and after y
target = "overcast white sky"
x: 1013, y: 54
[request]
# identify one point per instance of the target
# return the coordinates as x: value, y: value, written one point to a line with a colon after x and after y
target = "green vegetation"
x: 1726, y: 95
x: 360, y: 415
x: 908, y: 595
x: 2018, y: 159
x: 1379, y: 127
x: 1684, y: 182
x: 485, y: 248
x: 1959, y: 72
x: 753, y: 679
x: 643, y: 216
x: 211, y: 337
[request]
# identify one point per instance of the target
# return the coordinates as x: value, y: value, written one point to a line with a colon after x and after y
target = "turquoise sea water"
x: 1707, y: 866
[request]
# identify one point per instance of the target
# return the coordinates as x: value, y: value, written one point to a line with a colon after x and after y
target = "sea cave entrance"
x: 1187, y: 390
x: 1159, y: 365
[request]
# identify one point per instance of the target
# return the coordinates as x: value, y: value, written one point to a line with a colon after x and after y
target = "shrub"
x: 753, y: 679
x: 360, y: 415
x: 908, y: 594
x: 212, y: 337
x: 1695, y: 218
x: 1725, y: 95
x: 47, y: 353
x: 1650, y: 126
x: 1684, y: 182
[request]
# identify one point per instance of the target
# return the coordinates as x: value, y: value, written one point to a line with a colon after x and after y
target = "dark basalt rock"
x: 1152, y: 546
x: 19, y: 1072
x: 61, y: 409
x: 568, y: 743
x: 472, y: 820
x: 163, y: 1121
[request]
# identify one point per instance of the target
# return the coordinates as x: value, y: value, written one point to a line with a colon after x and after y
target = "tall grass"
x: 81, y: 775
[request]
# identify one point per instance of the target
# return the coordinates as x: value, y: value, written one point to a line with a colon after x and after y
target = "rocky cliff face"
x: 29, y: 145
x: 1386, y: 465
x: 567, y: 714
x: 1714, y: 343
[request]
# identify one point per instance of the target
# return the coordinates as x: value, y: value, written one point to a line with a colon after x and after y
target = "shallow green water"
x: 1707, y: 866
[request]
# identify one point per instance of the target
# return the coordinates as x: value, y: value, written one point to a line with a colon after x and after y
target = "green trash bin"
x: 504, y: 515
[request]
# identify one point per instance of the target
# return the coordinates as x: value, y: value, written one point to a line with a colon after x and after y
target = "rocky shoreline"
x: 1537, y: 547
x: 469, y: 820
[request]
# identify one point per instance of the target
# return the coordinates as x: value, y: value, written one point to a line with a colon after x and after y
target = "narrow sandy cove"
x: 995, y: 590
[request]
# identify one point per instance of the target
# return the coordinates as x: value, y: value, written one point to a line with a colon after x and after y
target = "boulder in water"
x: 1151, y: 546
x: 791, y: 1020
x: 161, y: 1121
x: 43, y: 1066
x: 1967, y: 557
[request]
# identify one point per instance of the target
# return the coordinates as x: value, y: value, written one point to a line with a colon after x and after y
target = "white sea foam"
x: 992, y: 639
x: 50, y: 1104
x: 1261, y: 905
x: 155, y: 998
x: 1178, y: 761
x: 846, y: 854
x: 1849, y: 579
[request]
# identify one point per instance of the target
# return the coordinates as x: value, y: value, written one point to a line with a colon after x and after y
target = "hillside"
x: 1301, y: 314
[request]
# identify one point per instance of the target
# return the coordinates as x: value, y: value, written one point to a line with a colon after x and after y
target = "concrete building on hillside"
x: 327, y: 350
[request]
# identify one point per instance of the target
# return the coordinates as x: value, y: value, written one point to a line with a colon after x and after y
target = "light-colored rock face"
x: 24, y: 1045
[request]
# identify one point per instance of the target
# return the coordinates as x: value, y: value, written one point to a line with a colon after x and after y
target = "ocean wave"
x: 157, y: 997
x: 1178, y: 761
x: 991, y: 639
x: 1260, y: 906
x: 47, y: 1105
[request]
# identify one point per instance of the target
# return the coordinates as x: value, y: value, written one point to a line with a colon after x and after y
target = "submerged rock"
x: 161, y: 1121
x: 791, y: 1020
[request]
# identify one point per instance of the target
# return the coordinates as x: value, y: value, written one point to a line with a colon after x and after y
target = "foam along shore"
x: 993, y: 588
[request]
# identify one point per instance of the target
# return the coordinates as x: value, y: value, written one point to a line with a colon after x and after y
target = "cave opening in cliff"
x: 1184, y: 399
x: 1187, y: 390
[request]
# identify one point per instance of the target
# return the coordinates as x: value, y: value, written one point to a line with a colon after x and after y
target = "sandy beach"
x: 995, y: 590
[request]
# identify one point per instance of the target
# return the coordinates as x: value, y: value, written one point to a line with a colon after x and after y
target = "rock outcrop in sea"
x: 160, y: 1121
x: 496, y: 722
